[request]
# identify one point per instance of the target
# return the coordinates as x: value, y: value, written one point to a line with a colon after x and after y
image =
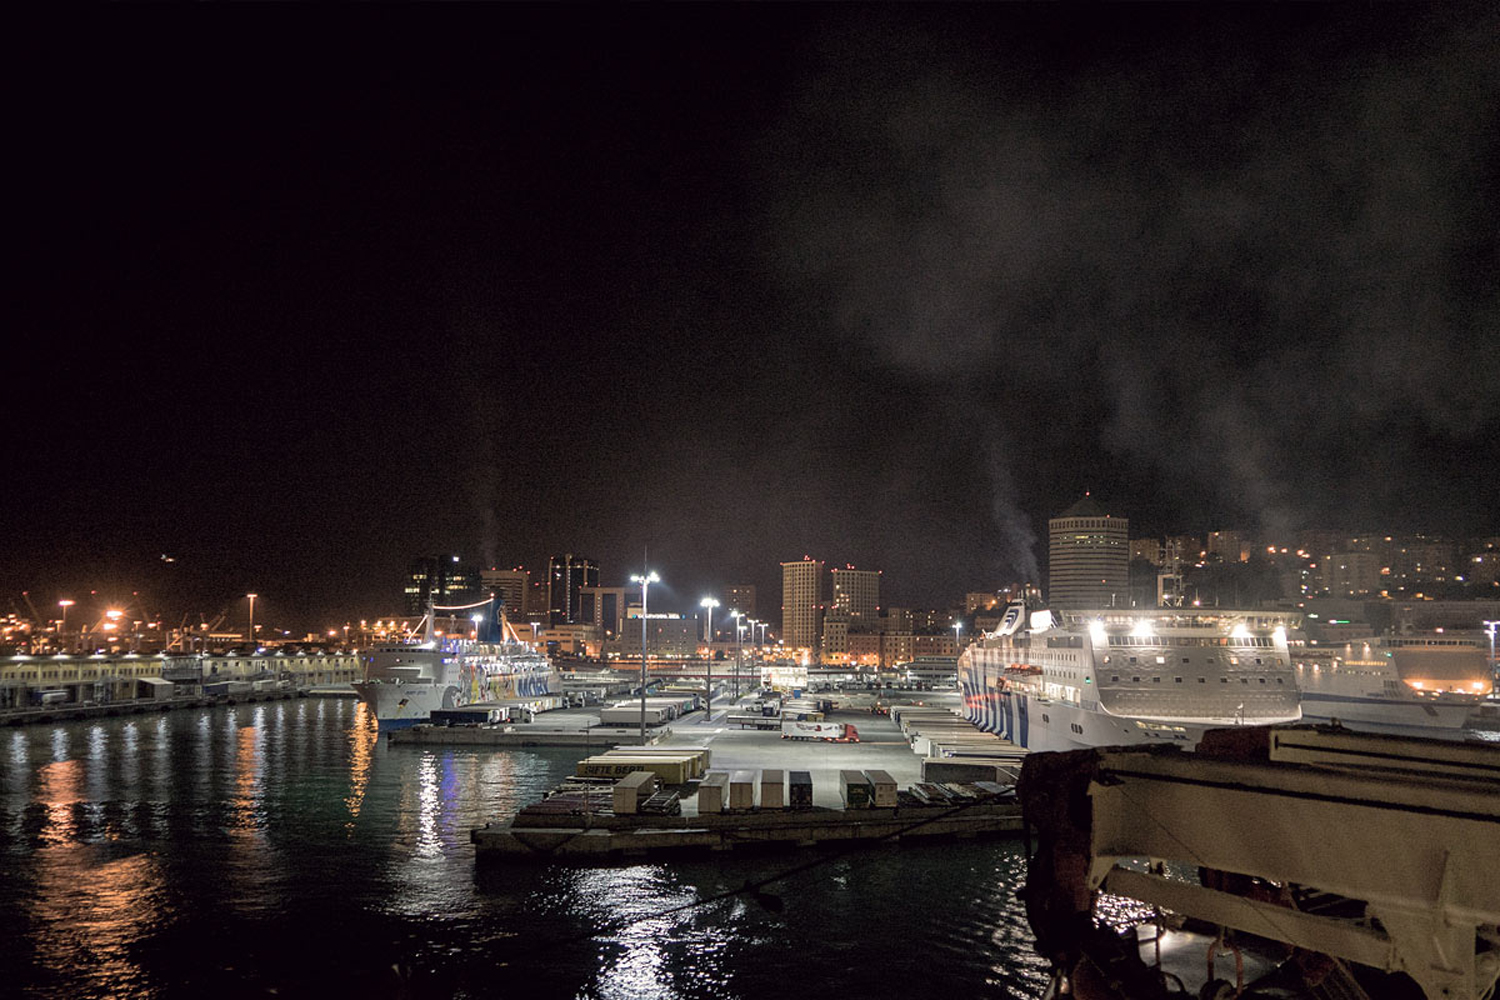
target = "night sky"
x: 301, y: 294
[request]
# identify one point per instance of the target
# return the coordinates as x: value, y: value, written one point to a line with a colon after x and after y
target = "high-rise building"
x: 856, y: 591
x: 444, y: 579
x: 740, y: 597
x: 1227, y: 545
x: 604, y: 607
x: 1089, y: 558
x: 802, y: 604
x: 1148, y: 549
x: 567, y: 575
x: 510, y: 586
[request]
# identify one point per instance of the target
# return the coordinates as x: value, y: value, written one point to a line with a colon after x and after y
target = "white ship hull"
x: 406, y: 682
x: 1127, y: 678
x: 397, y: 705
x: 1414, y: 717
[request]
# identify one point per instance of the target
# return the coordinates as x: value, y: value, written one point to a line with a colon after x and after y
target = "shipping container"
x: 800, y: 789
x: 631, y: 790
x: 713, y: 792
x: 671, y: 770
x: 773, y: 788
x: 883, y: 789
x: 855, y: 790
x: 742, y: 790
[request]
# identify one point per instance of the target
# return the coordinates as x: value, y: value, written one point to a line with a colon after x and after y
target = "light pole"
x: 1489, y: 630
x: 65, y: 604
x: 252, y: 622
x: 739, y: 651
x: 753, y: 626
x: 645, y: 580
x: 708, y: 664
x: 958, y: 627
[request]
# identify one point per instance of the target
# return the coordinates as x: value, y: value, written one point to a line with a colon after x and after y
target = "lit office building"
x: 567, y: 575
x: 1089, y: 558
x: 802, y: 604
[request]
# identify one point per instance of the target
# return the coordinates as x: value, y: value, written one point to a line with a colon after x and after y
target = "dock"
x: 521, y: 735
x: 606, y: 838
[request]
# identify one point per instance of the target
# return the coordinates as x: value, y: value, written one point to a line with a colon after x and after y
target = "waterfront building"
x: 741, y: 597
x: 62, y: 680
x: 1148, y: 549
x: 980, y: 601
x: 668, y: 635
x: 1350, y: 574
x: 510, y: 585
x: 444, y: 579
x: 1227, y: 545
x: 567, y: 575
x: 836, y: 636
x: 1089, y: 558
x: 856, y: 591
x: 605, y: 608
x: 803, y: 601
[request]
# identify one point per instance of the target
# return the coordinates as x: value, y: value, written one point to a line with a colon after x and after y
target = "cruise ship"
x: 404, y: 682
x: 1425, y: 684
x: 1069, y: 679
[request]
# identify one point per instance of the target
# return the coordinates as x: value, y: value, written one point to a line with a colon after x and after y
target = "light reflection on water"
x: 190, y: 854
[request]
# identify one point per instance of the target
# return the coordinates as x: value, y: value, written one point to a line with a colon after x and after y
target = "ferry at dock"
x: 1070, y: 679
x: 405, y: 682
x: 1428, y: 684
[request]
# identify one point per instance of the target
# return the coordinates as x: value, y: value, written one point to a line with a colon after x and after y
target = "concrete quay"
x: 613, y: 837
x: 604, y: 837
x: 138, y: 706
x: 523, y: 735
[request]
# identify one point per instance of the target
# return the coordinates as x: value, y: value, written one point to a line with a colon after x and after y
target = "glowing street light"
x: 645, y: 580
x: 708, y: 669
x: 739, y: 651
x: 1489, y: 630
x: 476, y: 619
x: 252, y: 620
x: 958, y: 628
x: 65, y: 604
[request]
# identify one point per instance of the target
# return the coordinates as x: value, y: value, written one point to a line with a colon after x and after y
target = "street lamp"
x: 252, y: 621
x: 645, y: 581
x: 1489, y: 630
x: 476, y: 619
x: 708, y: 668
x: 739, y: 651
x: 65, y: 604
x: 958, y: 627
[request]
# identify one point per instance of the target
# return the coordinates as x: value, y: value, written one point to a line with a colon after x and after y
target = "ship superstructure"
x: 1420, y: 684
x: 1066, y: 679
x: 404, y: 682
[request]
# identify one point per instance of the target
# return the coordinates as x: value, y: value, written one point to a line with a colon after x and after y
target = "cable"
x: 753, y: 888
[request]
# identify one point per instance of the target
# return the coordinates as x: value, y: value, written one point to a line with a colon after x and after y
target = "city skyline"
x: 712, y: 288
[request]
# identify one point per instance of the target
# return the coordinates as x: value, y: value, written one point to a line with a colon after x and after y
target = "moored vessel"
x: 405, y: 682
x: 1417, y: 684
x: 1068, y: 679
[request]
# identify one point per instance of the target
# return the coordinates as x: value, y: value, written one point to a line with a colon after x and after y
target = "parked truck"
x: 832, y: 732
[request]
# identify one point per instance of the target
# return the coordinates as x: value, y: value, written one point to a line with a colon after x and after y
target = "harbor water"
x: 283, y: 849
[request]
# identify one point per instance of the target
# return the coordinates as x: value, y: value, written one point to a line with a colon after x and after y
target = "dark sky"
x: 302, y: 293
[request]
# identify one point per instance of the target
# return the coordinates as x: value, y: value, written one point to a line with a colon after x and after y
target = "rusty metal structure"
x: 1291, y: 861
